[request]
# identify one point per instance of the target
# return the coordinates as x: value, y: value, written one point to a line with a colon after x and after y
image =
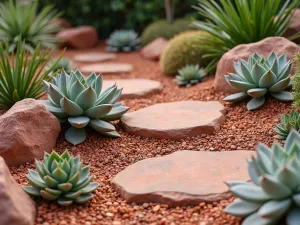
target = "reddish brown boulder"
x: 278, y: 44
x: 63, y: 23
x: 106, y: 68
x: 79, y: 37
x: 154, y: 49
x: 182, y: 178
x: 27, y: 130
x: 294, y: 27
x: 16, y: 207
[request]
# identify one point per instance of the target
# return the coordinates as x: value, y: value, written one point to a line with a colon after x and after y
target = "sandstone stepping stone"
x: 94, y: 57
x: 182, y: 178
x: 135, y: 88
x: 107, y: 68
x: 175, y: 120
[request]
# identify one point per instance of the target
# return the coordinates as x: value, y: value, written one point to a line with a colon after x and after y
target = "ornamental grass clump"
x: 258, y: 77
x: 61, y: 178
x: 288, y: 122
x: 81, y: 102
x: 273, y: 195
x: 123, y: 40
x: 190, y: 75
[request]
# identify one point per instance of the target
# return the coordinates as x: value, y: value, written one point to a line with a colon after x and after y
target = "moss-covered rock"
x: 162, y: 28
x: 184, y: 49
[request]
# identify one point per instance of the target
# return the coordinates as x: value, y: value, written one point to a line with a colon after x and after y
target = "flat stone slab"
x: 135, y: 88
x: 175, y: 120
x: 182, y: 178
x: 107, y: 68
x: 94, y: 57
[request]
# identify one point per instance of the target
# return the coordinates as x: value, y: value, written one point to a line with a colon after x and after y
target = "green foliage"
x: 21, y: 20
x: 184, y: 49
x: 62, y: 178
x: 296, y: 82
x: 288, y: 122
x: 241, y: 21
x: 190, y: 75
x: 123, y: 40
x: 162, y: 28
x: 81, y: 103
x: 274, y: 193
x: 64, y: 63
x: 21, y: 76
x: 259, y: 77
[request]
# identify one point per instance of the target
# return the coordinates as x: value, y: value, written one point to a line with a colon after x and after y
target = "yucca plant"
x: 81, y: 103
x: 19, y: 19
x: 64, y: 63
x: 123, y: 40
x: 288, y: 122
x: 236, y: 22
x: 190, y: 75
x: 259, y: 76
x: 274, y: 193
x: 61, y: 178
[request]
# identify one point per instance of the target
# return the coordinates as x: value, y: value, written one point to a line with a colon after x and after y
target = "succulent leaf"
x: 75, y: 135
x: 255, y: 103
x: 79, y: 122
x: 236, y: 97
x: 101, y: 126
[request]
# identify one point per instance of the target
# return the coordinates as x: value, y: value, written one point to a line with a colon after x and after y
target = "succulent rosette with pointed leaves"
x: 288, y: 122
x: 258, y: 77
x: 190, y: 75
x: 274, y: 193
x: 123, y: 40
x: 81, y: 103
x: 61, y: 178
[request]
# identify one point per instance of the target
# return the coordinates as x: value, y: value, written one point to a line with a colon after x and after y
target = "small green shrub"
x: 123, y: 40
x: 296, y: 82
x: 184, y: 49
x: 190, y: 75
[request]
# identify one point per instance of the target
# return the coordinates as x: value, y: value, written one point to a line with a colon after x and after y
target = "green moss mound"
x: 163, y: 29
x: 184, y: 49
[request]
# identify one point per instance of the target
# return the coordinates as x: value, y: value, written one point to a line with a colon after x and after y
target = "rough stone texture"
x: 16, y: 207
x: 107, y: 68
x: 135, y: 88
x: 295, y: 25
x: 27, y: 130
x: 94, y: 57
x: 182, y: 178
x: 278, y: 44
x: 154, y: 49
x: 79, y: 37
x: 175, y: 120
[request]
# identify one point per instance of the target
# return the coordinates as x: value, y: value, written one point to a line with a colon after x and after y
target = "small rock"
x: 154, y: 49
x: 107, y: 68
x: 94, y: 57
x: 294, y: 27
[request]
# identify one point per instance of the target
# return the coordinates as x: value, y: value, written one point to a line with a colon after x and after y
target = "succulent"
x: 190, y: 75
x: 260, y: 76
x: 62, y: 178
x: 274, y: 193
x: 82, y: 103
x: 123, y: 40
x: 296, y: 82
x: 288, y: 122
x: 63, y: 63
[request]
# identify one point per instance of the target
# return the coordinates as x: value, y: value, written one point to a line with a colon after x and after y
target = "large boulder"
x: 16, y: 207
x: 79, y: 37
x: 27, y: 130
x: 154, y: 49
x: 278, y: 44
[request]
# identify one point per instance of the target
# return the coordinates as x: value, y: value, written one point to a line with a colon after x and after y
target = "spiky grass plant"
x: 81, y: 102
x: 64, y: 63
x: 190, y: 75
x: 61, y: 178
x: 123, y: 40
x: 274, y: 193
x: 19, y: 19
x: 259, y: 76
x: 232, y: 23
x: 288, y: 122
x: 296, y: 82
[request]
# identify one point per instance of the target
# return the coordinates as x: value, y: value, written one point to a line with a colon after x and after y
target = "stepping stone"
x: 175, y: 120
x: 107, y: 68
x: 135, y: 88
x: 94, y: 57
x: 182, y: 178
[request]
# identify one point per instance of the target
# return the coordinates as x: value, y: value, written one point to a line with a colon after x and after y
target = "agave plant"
x: 64, y: 63
x: 190, y: 75
x: 20, y: 20
x: 123, y: 40
x: 81, y: 103
x: 288, y: 122
x: 62, y: 178
x: 258, y: 77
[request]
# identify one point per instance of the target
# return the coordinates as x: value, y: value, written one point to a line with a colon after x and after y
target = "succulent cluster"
x: 259, y: 76
x: 62, y: 178
x: 288, y: 122
x: 123, y: 40
x: 82, y: 103
x: 64, y: 63
x: 274, y: 193
x: 190, y: 75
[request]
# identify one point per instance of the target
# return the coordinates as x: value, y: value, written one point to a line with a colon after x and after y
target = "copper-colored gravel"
x: 107, y: 157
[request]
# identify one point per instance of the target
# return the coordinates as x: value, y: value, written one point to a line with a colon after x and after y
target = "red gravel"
x: 107, y: 157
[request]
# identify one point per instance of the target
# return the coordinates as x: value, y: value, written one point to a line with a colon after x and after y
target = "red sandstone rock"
x: 94, y: 57
x: 154, y: 49
x: 27, y: 130
x: 107, y: 68
x: 278, y: 44
x: 182, y: 178
x: 294, y: 27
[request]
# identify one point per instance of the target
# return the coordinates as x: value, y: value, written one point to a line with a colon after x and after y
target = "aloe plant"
x: 190, y: 75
